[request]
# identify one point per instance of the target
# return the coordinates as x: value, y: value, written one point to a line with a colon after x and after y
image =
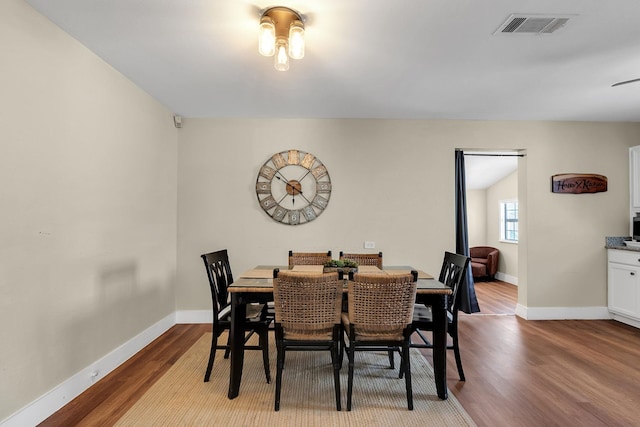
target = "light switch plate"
x: 369, y: 245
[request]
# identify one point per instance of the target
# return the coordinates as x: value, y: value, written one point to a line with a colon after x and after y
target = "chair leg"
x: 406, y: 363
x: 341, y: 348
x: 212, y: 356
x: 456, y: 352
x: 227, y: 350
x: 350, y: 355
x: 279, y: 366
x: 264, y: 343
x: 392, y: 364
x: 336, y: 374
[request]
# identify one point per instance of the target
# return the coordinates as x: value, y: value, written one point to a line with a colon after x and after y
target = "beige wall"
x: 505, y: 189
x: 566, y: 257
x: 393, y: 184
x: 477, y: 217
x: 88, y: 218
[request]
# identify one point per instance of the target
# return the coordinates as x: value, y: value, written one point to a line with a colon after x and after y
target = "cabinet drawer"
x: 624, y: 257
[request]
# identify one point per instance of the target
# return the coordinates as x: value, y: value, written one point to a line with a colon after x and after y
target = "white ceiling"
x: 426, y: 59
x: 485, y: 168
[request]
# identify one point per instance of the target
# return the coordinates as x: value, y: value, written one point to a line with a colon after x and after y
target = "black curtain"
x: 467, y: 294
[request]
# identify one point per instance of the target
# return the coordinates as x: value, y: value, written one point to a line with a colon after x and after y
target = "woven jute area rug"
x: 181, y: 398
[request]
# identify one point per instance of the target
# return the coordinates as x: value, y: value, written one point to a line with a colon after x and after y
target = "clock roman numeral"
x: 279, y: 213
x: 323, y: 187
x: 267, y: 172
x: 319, y: 202
x: 268, y: 203
x: 294, y: 217
x: 263, y: 187
x: 278, y: 161
x: 319, y: 172
x: 309, y: 213
x: 294, y: 157
x: 308, y: 161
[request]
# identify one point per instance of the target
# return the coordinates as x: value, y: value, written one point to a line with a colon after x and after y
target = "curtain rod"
x: 494, y: 155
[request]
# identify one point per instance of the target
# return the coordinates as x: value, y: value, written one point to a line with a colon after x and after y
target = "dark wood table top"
x: 259, y: 279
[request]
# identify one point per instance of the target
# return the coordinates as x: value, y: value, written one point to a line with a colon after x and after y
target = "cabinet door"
x: 624, y: 285
x: 634, y: 177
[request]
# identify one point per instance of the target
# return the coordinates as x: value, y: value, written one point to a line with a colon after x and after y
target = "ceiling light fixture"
x: 281, y: 35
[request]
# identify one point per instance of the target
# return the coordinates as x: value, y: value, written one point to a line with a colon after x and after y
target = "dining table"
x: 256, y: 286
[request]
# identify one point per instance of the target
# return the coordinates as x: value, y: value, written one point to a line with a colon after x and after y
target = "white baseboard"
x: 44, y: 406
x: 194, y: 316
x: 624, y: 319
x: 507, y: 278
x: 562, y: 313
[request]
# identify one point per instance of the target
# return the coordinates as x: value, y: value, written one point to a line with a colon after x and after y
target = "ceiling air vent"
x: 532, y: 24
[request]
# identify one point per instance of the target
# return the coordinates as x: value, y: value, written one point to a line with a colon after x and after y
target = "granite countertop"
x: 618, y: 243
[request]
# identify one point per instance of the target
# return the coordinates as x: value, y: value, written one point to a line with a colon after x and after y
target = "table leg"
x: 440, y: 345
x: 238, y: 314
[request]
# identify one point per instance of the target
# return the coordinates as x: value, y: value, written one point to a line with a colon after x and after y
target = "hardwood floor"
x: 519, y: 373
x: 544, y: 373
x: 107, y: 400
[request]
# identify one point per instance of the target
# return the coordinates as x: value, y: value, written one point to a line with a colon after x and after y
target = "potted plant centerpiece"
x: 337, y: 264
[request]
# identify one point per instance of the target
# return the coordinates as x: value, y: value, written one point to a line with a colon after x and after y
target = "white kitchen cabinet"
x: 624, y: 286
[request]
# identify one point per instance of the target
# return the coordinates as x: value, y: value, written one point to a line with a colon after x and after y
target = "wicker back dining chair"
x: 308, y: 258
x: 363, y: 259
x: 379, y: 318
x: 256, y: 321
x: 452, y: 274
x: 307, y: 310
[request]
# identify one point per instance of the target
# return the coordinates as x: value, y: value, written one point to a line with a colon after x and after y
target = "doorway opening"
x: 493, y: 222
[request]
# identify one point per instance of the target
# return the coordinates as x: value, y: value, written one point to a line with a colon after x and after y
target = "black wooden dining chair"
x: 452, y: 274
x: 308, y: 258
x: 307, y: 310
x: 256, y: 321
x: 379, y: 319
x: 363, y: 259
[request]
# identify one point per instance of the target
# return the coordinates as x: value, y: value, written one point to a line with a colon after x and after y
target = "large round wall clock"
x: 293, y: 187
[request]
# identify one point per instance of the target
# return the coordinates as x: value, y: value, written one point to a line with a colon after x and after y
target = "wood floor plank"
x: 519, y: 373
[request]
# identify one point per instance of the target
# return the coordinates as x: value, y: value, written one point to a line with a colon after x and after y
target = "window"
x: 509, y: 221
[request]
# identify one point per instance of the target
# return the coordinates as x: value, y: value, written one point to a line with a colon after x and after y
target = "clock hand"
x: 293, y: 197
x: 294, y: 190
x: 281, y: 177
x: 286, y: 181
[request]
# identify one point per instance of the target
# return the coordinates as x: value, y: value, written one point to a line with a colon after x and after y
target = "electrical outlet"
x: 369, y: 245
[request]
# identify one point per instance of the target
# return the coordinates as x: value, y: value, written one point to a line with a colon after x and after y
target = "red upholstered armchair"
x: 484, y: 261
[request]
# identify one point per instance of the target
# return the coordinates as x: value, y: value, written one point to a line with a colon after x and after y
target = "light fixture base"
x: 282, y: 18
x: 281, y: 35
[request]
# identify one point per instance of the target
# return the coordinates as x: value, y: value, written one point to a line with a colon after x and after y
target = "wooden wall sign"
x: 578, y: 183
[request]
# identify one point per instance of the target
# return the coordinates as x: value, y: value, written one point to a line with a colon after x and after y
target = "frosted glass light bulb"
x: 281, y: 58
x: 267, y: 37
x: 296, y: 40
